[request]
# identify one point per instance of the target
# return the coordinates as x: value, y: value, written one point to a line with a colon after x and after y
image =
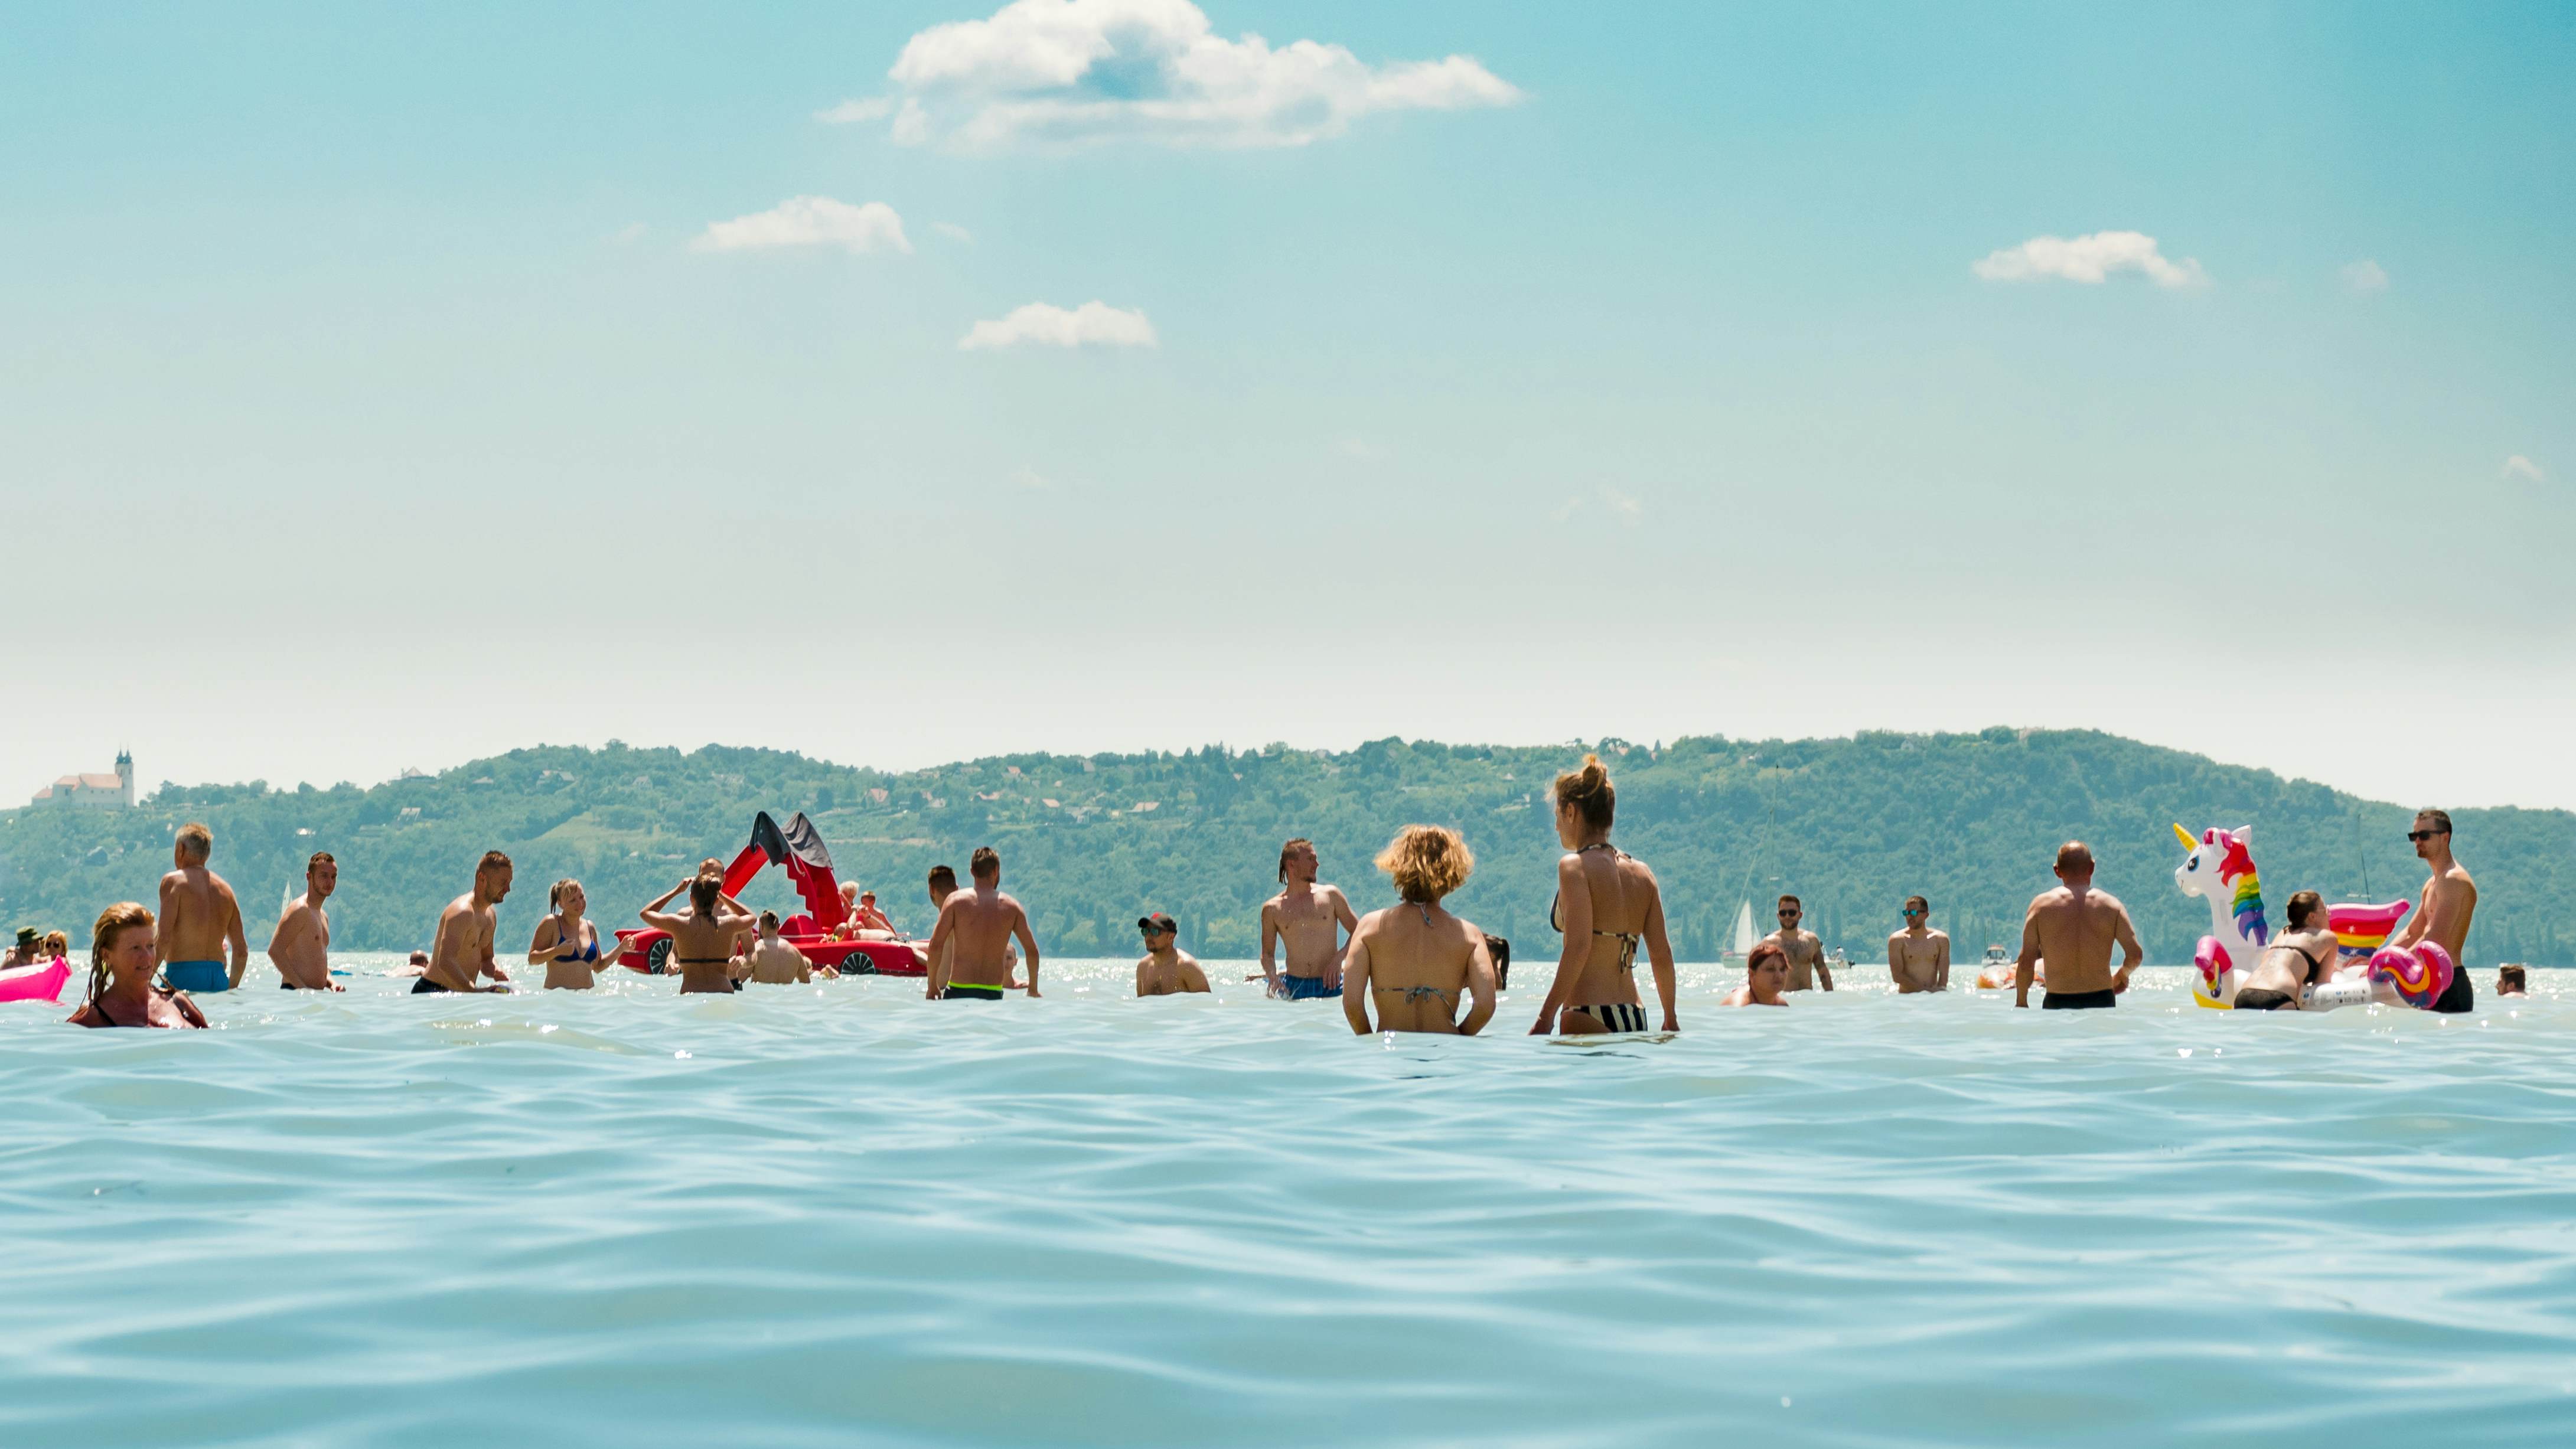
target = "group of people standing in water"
x: 1410, y: 967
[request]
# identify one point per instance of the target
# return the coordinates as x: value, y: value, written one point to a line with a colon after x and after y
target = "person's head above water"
x: 1426, y: 862
x: 121, y: 947
x: 943, y: 881
x: 769, y: 925
x: 492, y: 876
x: 1158, y: 929
x: 705, y: 890
x: 2075, y: 862
x: 2432, y: 833
x: 2306, y: 909
x: 420, y: 958
x: 1586, y: 803
x: 985, y: 865
x: 1298, y: 858
x: 192, y: 844
x: 1766, y: 969
x: 1917, y: 909
x: 2510, y: 978
x: 56, y: 947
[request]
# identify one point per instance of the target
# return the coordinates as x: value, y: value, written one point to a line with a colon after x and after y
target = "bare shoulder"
x: 2110, y: 902
x: 1895, y: 936
x: 1941, y: 936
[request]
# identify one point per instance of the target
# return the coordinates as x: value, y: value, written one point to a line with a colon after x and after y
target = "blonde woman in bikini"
x: 568, y: 946
x: 1414, y: 961
x: 1607, y: 904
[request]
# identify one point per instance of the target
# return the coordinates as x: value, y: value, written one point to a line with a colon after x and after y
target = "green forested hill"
x: 1851, y: 825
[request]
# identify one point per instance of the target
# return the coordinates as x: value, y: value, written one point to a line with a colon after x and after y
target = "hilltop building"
x: 93, y: 792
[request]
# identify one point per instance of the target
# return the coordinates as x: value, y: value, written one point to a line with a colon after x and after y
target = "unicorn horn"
x: 2187, y: 842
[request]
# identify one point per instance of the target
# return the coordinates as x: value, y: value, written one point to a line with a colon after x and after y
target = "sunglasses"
x: 1785, y: 915
x: 2420, y: 836
x: 1913, y: 910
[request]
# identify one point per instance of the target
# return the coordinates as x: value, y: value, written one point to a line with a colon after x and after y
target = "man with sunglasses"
x: 2450, y: 900
x: 1918, y: 957
x: 1805, y: 952
x: 1166, y: 970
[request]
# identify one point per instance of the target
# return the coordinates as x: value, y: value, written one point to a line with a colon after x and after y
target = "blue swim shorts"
x: 197, y: 976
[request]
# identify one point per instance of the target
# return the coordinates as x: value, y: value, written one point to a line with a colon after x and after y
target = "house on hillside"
x: 93, y: 792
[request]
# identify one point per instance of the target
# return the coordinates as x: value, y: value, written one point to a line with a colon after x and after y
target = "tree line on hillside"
x: 1851, y: 826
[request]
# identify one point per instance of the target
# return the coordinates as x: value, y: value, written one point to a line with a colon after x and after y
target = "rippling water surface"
x: 838, y: 1213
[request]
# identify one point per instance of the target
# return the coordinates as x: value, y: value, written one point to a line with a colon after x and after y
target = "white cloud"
x: 2365, y: 276
x: 1076, y: 71
x: 2521, y: 467
x: 953, y: 232
x: 1624, y: 507
x: 1092, y: 323
x: 2090, y: 259
x: 872, y: 108
x: 809, y: 221
x: 1031, y: 478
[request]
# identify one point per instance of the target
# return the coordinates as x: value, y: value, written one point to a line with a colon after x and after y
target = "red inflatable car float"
x: 798, y: 846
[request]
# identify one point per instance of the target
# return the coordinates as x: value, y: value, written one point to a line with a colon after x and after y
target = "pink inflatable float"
x: 36, y: 983
x: 2220, y: 869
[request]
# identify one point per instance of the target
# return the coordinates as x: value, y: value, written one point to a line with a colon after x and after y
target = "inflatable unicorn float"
x: 2220, y: 870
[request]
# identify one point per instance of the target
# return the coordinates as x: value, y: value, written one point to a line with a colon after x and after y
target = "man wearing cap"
x: 1166, y: 970
x: 24, y: 953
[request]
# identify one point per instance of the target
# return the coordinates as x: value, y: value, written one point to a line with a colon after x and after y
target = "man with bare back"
x: 462, y: 953
x: 200, y: 920
x: 1806, y: 950
x: 969, y: 948
x: 2450, y: 900
x: 300, y: 949
x: 1310, y: 920
x: 2074, y: 927
x: 1918, y: 957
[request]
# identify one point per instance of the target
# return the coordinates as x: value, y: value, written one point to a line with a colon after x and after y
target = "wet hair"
x: 319, y: 857
x: 555, y: 892
x: 1793, y: 901
x: 704, y: 892
x: 2511, y: 976
x: 944, y: 875
x: 195, y: 841
x: 116, y: 919
x: 984, y: 862
x: 2303, y: 906
x: 1762, y: 952
x: 1918, y: 901
x: 492, y: 860
x: 1589, y: 792
x: 57, y: 944
x: 2075, y: 856
x: 769, y: 920
x: 1288, y: 850
x: 2441, y: 819
x: 1426, y: 862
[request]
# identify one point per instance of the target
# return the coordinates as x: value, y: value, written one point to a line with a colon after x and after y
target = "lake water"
x: 839, y: 1214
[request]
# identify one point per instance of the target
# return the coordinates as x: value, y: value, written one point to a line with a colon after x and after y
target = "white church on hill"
x: 93, y: 792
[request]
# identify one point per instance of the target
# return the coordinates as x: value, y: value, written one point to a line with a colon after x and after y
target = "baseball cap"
x: 1157, y: 922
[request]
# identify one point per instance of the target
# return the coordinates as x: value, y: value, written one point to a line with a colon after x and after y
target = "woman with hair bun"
x: 122, y: 963
x: 1607, y: 902
x: 1415, y: 960
x: 702, y: 942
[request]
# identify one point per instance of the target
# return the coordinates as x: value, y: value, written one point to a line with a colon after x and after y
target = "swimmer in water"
x: 1308, y: 920
x: 1766, y: 977
x: 58, y: 947
x: 300, y: 947
x: 461, y: 953
x: 943, y: 884
x: 123, y: 957
x: 1607, y: 904
x: 567, y: 944
x: 1805, y: 948
x: 418, y: 965
x: 2075, y: 926
x: 2450, y: 903
x: 1918, y: 957
x: 1415, y: 961
x: 775, y: 963
x: 2298, y: 958
x: 200, y: 920
x: 1166, y: 970
x: 2510, y: 983
x: 966, y: 947
x: 702, y: 942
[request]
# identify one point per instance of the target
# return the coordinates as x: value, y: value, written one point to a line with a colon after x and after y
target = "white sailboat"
x: 1744, y: 937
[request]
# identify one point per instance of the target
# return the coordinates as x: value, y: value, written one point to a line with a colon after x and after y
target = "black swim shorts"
x: 2078, y: 1000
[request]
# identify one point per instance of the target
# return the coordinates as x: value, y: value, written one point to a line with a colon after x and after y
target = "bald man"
x: 2073, y: 928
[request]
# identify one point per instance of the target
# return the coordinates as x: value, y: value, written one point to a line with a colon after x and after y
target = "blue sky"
x: 372, y: 386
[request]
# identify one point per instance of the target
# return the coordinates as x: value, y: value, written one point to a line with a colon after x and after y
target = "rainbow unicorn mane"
x: 2236, y: 867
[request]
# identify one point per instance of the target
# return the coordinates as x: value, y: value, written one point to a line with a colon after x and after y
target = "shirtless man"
x: 2512, y: 984
x: 200, y: 920
x: 2074, y: 927
x: 1918, y: 957
x: 462, y: 952
x: 25, y: 952
x: 2450, y: 900
x: 301, y: 947
x: 943, y: 884
x: 1311, y: 919
x: 775, y: 963
x: 1806, y: 953
x: 1766, y: 977
x: 1166, y: 970
x: 2302, y: 956
x: 967, y: 947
